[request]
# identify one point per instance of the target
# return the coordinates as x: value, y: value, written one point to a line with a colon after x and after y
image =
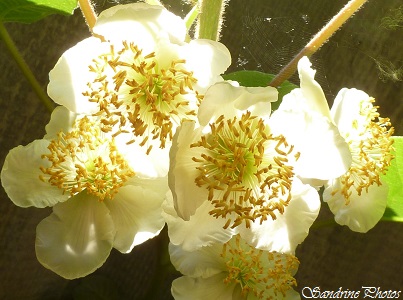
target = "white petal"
x: 20, y: 177
x: 324, y: 154
x: 204, y: 262
x: 363, y: 212
x: 69, y: 78
x: 140, y: 23
x: 61, y: 119
x: 223, y: 98
x: 185, y: 288
x: 153, y: 165
x: 207, y: 59
x: 289, y: 229
x: 311, y: 90
x: 200, y: 230
x: 187, y: 196
x: 346, y: 111
x: 136, y: 212
x: 76, y: 238
x: 167, y: 52
x: 292, y: 295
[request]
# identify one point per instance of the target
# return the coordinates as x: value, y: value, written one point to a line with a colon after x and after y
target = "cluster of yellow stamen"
x: 371, y: 151
x: 245, y: 169
x: 141, y: 96
x: 268, y: 275
x: 83, y: 159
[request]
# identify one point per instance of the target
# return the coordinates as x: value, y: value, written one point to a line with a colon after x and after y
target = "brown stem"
x: 88, y: 12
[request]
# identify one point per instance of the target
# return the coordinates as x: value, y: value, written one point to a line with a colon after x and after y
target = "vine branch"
x: 88, y: 12
x: 12, y: 48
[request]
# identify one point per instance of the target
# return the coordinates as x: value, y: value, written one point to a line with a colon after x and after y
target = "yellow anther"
x: 267, y: 275
x: 371, y: 152
x: 247, y: 179
x: 135, y: 92
x: 83, y: 159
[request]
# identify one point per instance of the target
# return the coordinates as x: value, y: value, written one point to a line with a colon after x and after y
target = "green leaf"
x: 394, y: 179
x: 28, y: 11
x: 255, y: 78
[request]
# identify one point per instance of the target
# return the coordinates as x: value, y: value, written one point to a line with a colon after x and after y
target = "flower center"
x: 371, y: 151
x: 83, y: 159
x: 144, y: 95
x: 246, y: 169
x: 268, y: 275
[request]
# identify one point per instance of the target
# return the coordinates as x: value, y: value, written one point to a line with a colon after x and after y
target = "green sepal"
x: 29, y: 11
x: 394, y: 180
x: 256, y: 78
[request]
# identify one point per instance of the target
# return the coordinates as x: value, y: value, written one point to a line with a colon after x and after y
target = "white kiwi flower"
x: 233, y: 270
x: 139, y: 76
x: 358, y: 198
x: 100, y: 200
x: 232, y: 174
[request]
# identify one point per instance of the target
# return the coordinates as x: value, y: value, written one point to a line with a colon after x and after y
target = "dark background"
x: 261, y: 35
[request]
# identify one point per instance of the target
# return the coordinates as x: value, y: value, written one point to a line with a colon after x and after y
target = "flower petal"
x: 68, y: 79
x: 204, y: 262
x: 187, y: 196
x: 141, y: 23
x: 61, y: 119
x: 324, y: 154
x: 185, y: 288
x: 76, y: 238
x: 346, y: 112
x: 289, y: 229
x: 207, y: 59
x: 311, y: 90
x: 200, y: 230
x: 136, y: 212
x: 152, y: 165
x: 20, y: 177
x: 224, y: 98
x: 363, y: 212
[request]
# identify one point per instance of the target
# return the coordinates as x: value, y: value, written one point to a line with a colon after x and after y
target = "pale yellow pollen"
x: 268, y: 275
x: 245, y: 169
x: 136, y: 94
x: 371, y: 152
x: 83, y: 159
